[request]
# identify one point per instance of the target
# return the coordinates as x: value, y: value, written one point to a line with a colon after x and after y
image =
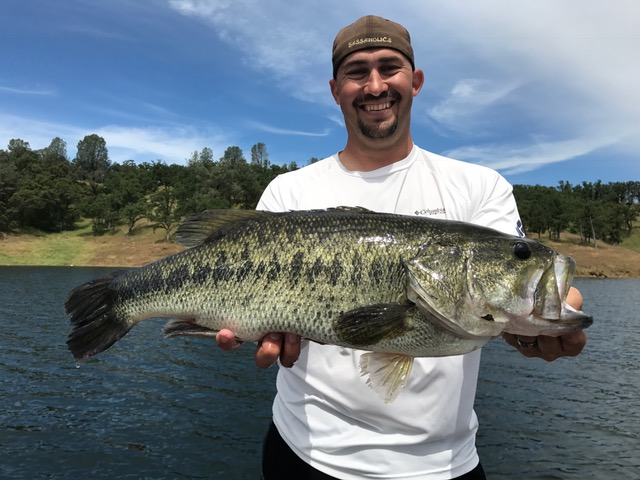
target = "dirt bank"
x: 119, y: 250
x: 607, y: 261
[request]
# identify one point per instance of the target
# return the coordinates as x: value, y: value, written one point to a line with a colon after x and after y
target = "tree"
x: 197, y: 188
x: 45, y: 202
x: 56, y: 151
x: 205, y: 157
x: 92, y: 160
x: 163, y: 210
x: 126, y: 184
x: 233, y: 156
x: 531, y: 211
x: 558, y: 219
x: 627, y: 195
x: 9, y: 178
x: 259, y: 155
x: 36, y: 189
x: 20, y: 154
x: 159, y: 173
x: 132, y: 213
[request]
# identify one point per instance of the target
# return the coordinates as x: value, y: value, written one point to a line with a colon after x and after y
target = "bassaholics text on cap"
x: 371, y: 32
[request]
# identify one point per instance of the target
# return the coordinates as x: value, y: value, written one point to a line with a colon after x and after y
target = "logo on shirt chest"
x: 431, y: 212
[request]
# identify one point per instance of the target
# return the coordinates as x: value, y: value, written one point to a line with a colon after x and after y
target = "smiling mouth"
x: 377, y: 107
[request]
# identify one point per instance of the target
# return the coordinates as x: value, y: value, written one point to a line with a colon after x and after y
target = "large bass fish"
x: 398, y: 286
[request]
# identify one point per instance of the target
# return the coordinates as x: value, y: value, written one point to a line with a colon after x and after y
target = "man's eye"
x: 356, y: 73
x: 391, y: 69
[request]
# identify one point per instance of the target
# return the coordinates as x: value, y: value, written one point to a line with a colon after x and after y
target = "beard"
x: 378, y: 131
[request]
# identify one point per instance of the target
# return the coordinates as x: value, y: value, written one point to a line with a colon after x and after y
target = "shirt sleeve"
x: 498, y: 209
x: 271, y: 199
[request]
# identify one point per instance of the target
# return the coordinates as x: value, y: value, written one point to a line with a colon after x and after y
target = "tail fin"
x: 95, y: 325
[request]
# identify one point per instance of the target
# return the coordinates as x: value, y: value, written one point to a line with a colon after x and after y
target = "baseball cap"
x: 371, y: 32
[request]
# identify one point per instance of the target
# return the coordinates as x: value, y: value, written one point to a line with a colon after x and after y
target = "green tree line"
x: 47, y: 191
x: 595, y: 211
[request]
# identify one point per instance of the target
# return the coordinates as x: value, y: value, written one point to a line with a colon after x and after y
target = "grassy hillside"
x: 633, y: 241
x: 81, y: 248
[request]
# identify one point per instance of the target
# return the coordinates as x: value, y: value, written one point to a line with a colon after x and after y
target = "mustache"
x: 388, y: 95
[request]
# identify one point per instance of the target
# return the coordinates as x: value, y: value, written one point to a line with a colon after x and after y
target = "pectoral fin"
x: 366, y: 326
x: 386, y: 373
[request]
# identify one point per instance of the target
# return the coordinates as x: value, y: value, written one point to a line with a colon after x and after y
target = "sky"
x: 541, y: 90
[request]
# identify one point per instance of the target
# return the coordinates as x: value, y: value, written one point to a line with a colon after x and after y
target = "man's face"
x: 375, y: 90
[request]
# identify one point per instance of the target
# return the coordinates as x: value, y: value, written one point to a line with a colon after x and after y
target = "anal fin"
x: 387, y: 373
x: 181, y: 327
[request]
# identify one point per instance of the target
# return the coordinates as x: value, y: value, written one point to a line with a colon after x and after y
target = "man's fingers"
x: 573, y: 343
x: 269, y: 350
x: 574, y: 298
x: 278, y: 345
x: 548, y: 348
x: 227, y: 340
x: 291, y: 350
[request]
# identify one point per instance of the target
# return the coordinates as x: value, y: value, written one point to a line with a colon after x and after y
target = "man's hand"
x: 285, y: 346
x: 551, y: 348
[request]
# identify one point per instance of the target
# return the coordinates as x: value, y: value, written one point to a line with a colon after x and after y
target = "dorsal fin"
x: 199, y: 227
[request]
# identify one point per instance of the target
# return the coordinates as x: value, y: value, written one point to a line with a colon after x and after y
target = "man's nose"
x: 375, y: 83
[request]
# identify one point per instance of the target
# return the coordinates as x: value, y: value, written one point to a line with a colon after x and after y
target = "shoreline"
x: 81, y: 249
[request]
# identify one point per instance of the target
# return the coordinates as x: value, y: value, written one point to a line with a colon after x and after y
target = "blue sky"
x: 541, y: 90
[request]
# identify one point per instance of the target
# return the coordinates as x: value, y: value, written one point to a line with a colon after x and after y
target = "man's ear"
x: 334, y: 90
x: 418, y: 81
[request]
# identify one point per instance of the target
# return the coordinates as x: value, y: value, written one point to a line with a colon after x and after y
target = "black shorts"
x: 279, y: 462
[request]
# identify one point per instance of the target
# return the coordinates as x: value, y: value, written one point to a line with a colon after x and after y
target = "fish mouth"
x: 551, y: 314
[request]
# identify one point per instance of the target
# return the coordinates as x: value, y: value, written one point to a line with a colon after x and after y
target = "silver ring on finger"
x: 523, y: 344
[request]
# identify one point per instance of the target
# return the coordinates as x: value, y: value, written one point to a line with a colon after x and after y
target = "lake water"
x: 161, y: 409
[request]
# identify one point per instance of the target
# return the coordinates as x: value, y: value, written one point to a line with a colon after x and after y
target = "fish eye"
x: 522, y: 250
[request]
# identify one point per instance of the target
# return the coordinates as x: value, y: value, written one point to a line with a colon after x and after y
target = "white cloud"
x: 523, y: 84
x: 92, y: 31
x: 563, y: 73
x: 562, y: 69
x: 37, y: 90
x: 171, y: 144
x: 288, y: 40
x: 37, y: 133
x: 282, y: 131
x: 337, y: 119
x: 459, y: 111
x: 511, y: 160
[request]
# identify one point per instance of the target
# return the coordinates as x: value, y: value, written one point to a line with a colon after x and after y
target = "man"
x: 327, y: 422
